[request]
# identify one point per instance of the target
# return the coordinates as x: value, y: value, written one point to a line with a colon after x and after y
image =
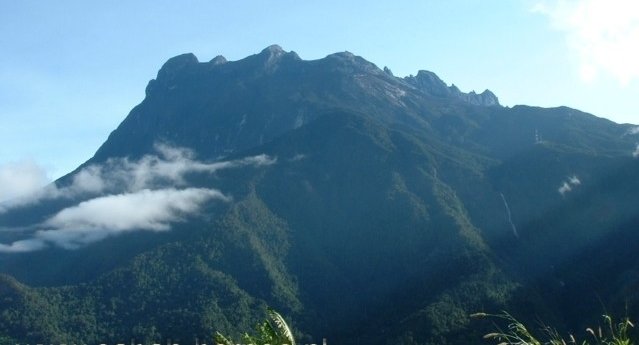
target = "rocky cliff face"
x: 194, y: 103
x: 430, y: 83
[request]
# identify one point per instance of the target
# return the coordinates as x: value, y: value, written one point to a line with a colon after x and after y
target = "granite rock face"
x: 431, y: 84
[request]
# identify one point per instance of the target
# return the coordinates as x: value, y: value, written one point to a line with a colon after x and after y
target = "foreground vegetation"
x: 274, y: 331
x: 508, y: 331
x: 516, y: 333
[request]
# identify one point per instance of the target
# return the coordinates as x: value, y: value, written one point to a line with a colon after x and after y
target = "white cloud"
x: 603, y: 34
x: 297, y: 157
x: 169, y: 166
x: 633, y: 131
x: 123, y: 195
x: 98, y: 218
x: 568, y: 185
x: 87, y: 180
x: 22, y: 246
x: 19, y: 179
x: 636, y: 153
x: 150, y: 210
x: 565, y: 188
x: 574, y: 180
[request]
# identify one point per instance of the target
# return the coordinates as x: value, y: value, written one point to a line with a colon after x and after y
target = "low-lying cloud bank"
x: 94, y: 220
x: 21, y: 178
x: 125, y: 196
x: 169, y: 166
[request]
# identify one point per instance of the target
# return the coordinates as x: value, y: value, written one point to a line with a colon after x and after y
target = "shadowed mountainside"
x: 365, y: 207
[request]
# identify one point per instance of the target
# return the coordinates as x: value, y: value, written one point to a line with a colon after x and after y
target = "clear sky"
x: 70, y: 71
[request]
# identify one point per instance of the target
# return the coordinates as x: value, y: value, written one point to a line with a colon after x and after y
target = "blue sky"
x: 70, y: 71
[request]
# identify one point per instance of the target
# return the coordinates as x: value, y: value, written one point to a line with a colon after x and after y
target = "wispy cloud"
x: 18, y: 179
x: 569, y: 184
x: 22, y: 246
x: 297, y: 157
x: 565, y: 188
x: 603, y: 33
x: 168, y: 166
x: 98, y: 218
x: 574, y: 180
x: 633, y: 131
x: 123, y: 196
x: 636, y: 153
x: 145, y: 210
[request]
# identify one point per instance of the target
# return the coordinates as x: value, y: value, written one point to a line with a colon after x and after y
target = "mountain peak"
x: 273, y: 49
x: 176, y: 65
x: 218, y: 60
x: 273, y: 54
x: 431, y: 84
x: 343, y: 55
x: 489, y: 98
x: 350, y: 61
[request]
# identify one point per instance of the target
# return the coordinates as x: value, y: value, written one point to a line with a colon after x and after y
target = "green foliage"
x: 176, y: 291
x: 516, y: 333
x: 273, y: 330
x: 4, y: 340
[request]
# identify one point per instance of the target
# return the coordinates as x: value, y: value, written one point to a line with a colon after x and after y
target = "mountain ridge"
x: 365, y: 206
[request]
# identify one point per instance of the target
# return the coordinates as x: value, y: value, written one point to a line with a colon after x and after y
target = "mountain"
x: 363, y: 206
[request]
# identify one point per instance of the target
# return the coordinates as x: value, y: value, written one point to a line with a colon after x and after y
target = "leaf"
x: 281, y: 326
x: 220, y: 339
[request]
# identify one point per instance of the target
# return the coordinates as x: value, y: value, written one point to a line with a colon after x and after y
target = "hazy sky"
x: 70, y: 71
